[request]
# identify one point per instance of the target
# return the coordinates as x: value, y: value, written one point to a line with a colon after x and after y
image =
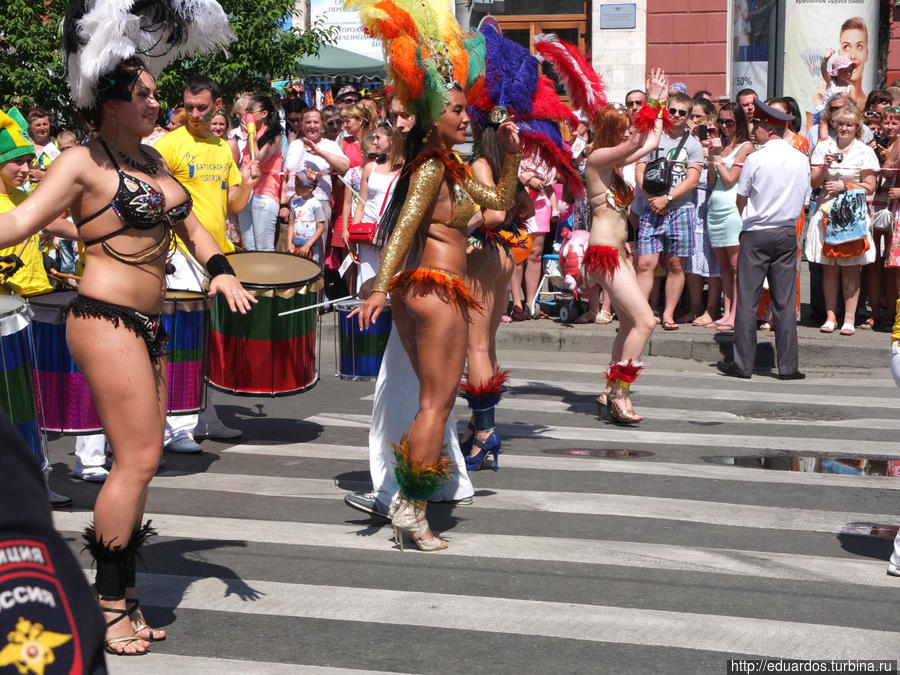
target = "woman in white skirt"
x: 838, y: 165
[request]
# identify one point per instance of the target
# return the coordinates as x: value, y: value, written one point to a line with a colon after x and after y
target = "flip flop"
x: 703, y: 320
x: 670, y: 325
x: 724, y: 327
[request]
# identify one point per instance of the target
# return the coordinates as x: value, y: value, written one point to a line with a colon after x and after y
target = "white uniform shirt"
x: 775, y: 181
x: 298, y: 158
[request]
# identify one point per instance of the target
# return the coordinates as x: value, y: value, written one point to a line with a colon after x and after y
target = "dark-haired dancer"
x: 127, y: 207
x: 430, y: 305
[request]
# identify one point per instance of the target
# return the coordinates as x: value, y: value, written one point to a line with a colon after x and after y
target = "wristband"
x: 652, y: 102
x: 218, y: 264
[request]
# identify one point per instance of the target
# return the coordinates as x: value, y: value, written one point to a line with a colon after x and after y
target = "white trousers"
x: 396, y: 404
x: 188, y: 276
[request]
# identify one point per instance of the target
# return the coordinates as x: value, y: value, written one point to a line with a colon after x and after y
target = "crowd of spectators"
x: 685, y: 244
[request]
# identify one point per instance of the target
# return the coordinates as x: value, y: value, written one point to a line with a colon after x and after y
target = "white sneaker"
x: 184, y: 445
x: 893, y: 570
x: 216, y: 430
x: 92, y: 474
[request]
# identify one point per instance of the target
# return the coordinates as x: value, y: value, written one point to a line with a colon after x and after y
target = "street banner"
x: 750, y: 45
x: 815, y: 27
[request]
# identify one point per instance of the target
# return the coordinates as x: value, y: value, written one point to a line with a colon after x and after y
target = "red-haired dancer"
x: 605, y: 262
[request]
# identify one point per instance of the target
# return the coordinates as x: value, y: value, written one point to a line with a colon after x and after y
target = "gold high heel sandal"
x: 409, y: 517
x: 625, y: 416
x: 602, y: 406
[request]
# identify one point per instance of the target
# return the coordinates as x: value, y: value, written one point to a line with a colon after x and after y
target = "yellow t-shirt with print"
x: 32, y: 278
x: 206, y: 168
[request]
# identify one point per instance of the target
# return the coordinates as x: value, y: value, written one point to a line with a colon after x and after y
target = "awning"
x: 336, y: 61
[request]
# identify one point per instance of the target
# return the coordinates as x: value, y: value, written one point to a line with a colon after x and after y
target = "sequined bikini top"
x: 142, y: 207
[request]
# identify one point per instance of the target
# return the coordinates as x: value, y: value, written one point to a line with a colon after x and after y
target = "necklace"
x: 151, y: 168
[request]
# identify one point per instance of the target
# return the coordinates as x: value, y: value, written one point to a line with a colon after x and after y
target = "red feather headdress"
x: 585, y: 87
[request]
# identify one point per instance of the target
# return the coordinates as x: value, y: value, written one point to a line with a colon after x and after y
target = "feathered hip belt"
x: 430, y: 281
x: 602, y: 259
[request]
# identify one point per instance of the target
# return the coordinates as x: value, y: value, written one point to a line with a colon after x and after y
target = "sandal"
x: 703, y: 320
x: 868, y: 324
x: 518, y: 314
x: 847, y: 329
x: 587, y: 317
x: 124, y: 641
x: 827, y: 327
x: 622, y: 416
x: 765, y: 325
x: 670, y: 325
x: 724, y: 327
x: 131, y: 606
x: 604, y: 317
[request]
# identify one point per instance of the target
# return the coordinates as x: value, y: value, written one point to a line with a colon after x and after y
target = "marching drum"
x: 16, y: 375
x: 185, y: 320
x: 67, y: 404
x: 261, y: 353
x: 358, y: 353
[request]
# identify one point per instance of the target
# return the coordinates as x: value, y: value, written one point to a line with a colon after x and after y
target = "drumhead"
x: 10, y: 305
x: 54, y: 300
x: 271, y: 269
x: 189, y: 301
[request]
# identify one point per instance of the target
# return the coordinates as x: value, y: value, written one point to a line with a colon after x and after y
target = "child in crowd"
x: 307, y: 217
x: 837, y: 76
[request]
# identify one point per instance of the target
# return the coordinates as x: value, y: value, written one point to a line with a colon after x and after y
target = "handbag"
x: 846, y: 226
x: 364, y: 233
x: 658, y: 173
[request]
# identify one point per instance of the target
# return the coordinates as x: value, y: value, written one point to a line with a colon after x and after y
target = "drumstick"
x: 65, y: 275
x: 250, y: 121
x: 321, y: 304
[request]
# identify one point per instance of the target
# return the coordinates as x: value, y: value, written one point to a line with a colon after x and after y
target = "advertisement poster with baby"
x: 829, y: 46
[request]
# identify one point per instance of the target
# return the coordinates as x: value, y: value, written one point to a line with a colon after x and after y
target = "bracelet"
x: 218, y: 264
x: 652, y: 102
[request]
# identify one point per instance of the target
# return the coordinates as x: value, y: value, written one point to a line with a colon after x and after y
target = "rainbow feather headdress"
x: 426, y: 51
x: 513, y: 80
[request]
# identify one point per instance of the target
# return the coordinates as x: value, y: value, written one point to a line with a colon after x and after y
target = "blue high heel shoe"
x: 489, y: 445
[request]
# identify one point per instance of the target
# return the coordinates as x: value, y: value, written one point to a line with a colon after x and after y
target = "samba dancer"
x: 396, y: 399
x: 605, y: 262
x: 438, y: 196
x: 535, y: 106
x: 126, y: 205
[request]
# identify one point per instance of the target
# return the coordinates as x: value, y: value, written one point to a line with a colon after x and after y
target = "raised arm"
x: 499, y: 197
x: 423, y: 188
x: 60, y: 188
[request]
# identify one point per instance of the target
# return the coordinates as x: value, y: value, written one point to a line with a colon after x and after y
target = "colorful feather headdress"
x: 512, y: 80
x: 426, y: 51
x: 99, y: 34
x: 584, y: 86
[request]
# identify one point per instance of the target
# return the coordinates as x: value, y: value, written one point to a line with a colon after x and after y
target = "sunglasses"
x: 873, y: 113
x: 832, y: 108
x: 891, y: 108
x: 335, y: 123
x: 675, y: 112
x: 726, y: 123
x: 632, y: 103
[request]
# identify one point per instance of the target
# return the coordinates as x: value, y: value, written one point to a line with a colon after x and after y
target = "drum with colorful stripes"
x: 66, y: 403
x: 185, y: 318
x: 17, y: 397
x: 358, y: 353
x: 261, y: 353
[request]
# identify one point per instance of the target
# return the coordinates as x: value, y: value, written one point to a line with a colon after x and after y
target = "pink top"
x: 269, y: 183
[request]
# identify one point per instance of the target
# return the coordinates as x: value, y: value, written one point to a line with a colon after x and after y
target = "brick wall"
x: 688, y: 39
x: 893, y: 64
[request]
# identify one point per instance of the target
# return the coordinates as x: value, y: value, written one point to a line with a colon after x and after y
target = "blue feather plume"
x: 512, y: 73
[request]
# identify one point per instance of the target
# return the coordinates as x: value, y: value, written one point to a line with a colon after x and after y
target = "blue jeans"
x: 257, y: 223
x: 66, y: 256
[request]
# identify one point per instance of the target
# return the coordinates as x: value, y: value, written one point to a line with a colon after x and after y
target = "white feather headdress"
x: 99, y: 34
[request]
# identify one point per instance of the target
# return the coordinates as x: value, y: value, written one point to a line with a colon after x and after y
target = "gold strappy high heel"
x: 408, y: 517
x: 619, y: 415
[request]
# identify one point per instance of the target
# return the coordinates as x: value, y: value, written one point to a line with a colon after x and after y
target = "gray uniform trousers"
x: 768, y: 253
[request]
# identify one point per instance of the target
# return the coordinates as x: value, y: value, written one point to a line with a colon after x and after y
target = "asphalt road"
x: 566, y: 562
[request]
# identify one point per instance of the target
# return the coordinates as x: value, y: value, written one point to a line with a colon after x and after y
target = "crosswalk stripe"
x: 604, y: 433
x: 156, y: 663
x: 555, y: 463
x: 654, y: 371
x: 595, y: 623
x: 600, y: 504
x: 790, y: 397
x: 761, y: 564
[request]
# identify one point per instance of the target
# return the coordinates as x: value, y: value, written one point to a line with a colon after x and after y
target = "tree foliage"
x: 32, y: 71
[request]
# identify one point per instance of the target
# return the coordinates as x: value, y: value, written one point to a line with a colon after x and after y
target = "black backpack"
x: 658, y: 173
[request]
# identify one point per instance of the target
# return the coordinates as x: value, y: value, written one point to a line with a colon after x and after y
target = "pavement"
x: 741, y: 518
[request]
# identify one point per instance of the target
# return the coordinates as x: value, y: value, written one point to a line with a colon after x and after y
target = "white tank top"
x: 379, y: 184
